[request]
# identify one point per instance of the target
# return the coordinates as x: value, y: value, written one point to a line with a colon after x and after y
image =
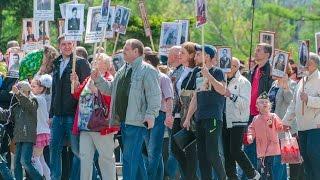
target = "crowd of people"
x: 65, y: 124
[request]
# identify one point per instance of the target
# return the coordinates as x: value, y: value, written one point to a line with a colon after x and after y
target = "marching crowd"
x: 236, y: 118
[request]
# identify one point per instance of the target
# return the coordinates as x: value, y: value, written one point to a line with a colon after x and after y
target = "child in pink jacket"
x: 264, y: 128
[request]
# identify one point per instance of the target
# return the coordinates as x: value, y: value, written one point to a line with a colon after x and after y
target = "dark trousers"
x: 266, y: 164
x: 187, y: 159
x: 208, y: 135
x: 232, y: 146
x: 310, y: 151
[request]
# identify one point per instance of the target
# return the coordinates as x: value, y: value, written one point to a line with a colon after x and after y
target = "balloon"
x: 30, y: 64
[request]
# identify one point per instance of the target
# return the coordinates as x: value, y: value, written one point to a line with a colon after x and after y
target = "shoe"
x: 257, y: 176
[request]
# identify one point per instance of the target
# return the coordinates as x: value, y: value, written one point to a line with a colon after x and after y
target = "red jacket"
x: 106, y: 99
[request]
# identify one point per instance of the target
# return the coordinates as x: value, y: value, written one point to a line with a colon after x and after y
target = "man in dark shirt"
x: 207, y: 105
x: 74, y: 22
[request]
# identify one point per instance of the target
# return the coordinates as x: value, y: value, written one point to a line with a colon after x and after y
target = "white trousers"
x: 104, y: 144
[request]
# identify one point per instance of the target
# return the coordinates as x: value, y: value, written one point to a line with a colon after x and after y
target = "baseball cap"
x: 208, y: 49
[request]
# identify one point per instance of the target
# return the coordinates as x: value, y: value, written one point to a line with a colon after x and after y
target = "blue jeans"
x: 4, y: 170
x: 133, y: 164
x: 60, y: 129
x: 23, y: 158
x: 279, y: 170
x: 154, y: 142
x: 171, y: 165
x: 266, y: 169
x: 310, y: 151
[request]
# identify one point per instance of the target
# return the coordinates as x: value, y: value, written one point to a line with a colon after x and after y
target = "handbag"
x: 290, y: 152
x: 184, y: 139
x: 99, y: 117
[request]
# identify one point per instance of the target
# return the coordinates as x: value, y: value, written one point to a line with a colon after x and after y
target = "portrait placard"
x: 93, y: 28
x: 63, y: 7
x: 280, y: 62
x: 317, y: 35
x: 118, y: 61
x: 61, y: 23
x: 170, y: 36
x: 184, y: 30
x: 29, y: 41
x: 201, y: 7
x: 268, y: 37
x: 303, y: 56
x: 224, y: 57
x: 43, y: 10
x: 41, y: 35
x: 74, y: 22
x: 14, y: 63
x: 144, y: 17
x: 121, y: 20
x: 109, y: 30
x: 105, y: 11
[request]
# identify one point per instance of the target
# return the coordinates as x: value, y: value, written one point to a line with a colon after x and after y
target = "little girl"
x: 264, y: 128
x: 40, y: 86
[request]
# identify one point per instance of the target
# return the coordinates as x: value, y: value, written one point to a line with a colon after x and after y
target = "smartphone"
x: 145, y: 124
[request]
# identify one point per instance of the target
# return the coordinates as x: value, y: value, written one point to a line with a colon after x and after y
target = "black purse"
x: 184, y: 138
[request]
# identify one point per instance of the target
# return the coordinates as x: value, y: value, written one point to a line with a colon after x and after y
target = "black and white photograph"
x: 268, y: 37
x: 122, y: 16
x: 42, y: 30
x: 184, y: 30
x: 201, y: 7
x: 74, y: 21
x: 144, y: 17
x: 280, y: 62
x: 61, y: 28
x: 109, y: 30
x: 63, y: 7
x: 105, y: 11
x: 43, y: 10
x: 224, y: 57
x: 29, y: 40
x: 93, y: 28
x: 170, y: 36
x: 14, y: 63
x: 317, y: 36
x: 118, y: 61
x: 303, y: 54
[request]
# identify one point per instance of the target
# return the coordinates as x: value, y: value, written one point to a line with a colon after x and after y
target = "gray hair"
x: 237, y: 60
x: 315, y: 58
x: 175, y: 49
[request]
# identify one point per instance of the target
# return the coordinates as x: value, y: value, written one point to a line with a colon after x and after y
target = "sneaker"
x: 257, y: 176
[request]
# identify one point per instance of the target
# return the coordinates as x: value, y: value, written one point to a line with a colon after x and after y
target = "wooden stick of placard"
x: 115, y: 44
x: 302, y: 109
x: 152, y: 45
x: 73, y: 66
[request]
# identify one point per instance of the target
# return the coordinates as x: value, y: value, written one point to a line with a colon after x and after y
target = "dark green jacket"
x: 24, y: 115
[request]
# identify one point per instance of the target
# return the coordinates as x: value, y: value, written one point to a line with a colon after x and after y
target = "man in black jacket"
x: 63, y: 107
x: 261, y: 81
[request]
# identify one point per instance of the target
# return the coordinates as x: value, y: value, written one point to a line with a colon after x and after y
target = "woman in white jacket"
x: 236, y: 120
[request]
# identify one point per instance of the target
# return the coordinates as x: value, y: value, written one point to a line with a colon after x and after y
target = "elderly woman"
x: 93, y: 138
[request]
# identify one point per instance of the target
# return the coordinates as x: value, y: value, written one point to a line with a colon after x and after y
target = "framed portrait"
x: 43, y: 10
x: 268, y: 37
x: 184, y: 30
x: 121, y: 20
x: 317, y: 35
x: 105, y: 11
x: 93, y: 28
x: 29, y: 40
x: 224, y: 58
x: 303, y: 56
x: 144, y: 17
x: 201, y: 7
x: 170, y: 36
x: 280, y: 63
x: 118, y: 60
x: 74, y: 22
x: 63, y: 7
x: 42, y: 31
x: 109, y: 31
x: 61, y: 28
x: 14, y: 63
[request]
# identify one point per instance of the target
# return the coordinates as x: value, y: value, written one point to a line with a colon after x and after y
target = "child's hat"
x: 46, y: 80
x: 263, y: 95
x: 24, y: 86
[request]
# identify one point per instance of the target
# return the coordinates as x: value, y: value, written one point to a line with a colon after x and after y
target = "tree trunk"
x: 1, y: 22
